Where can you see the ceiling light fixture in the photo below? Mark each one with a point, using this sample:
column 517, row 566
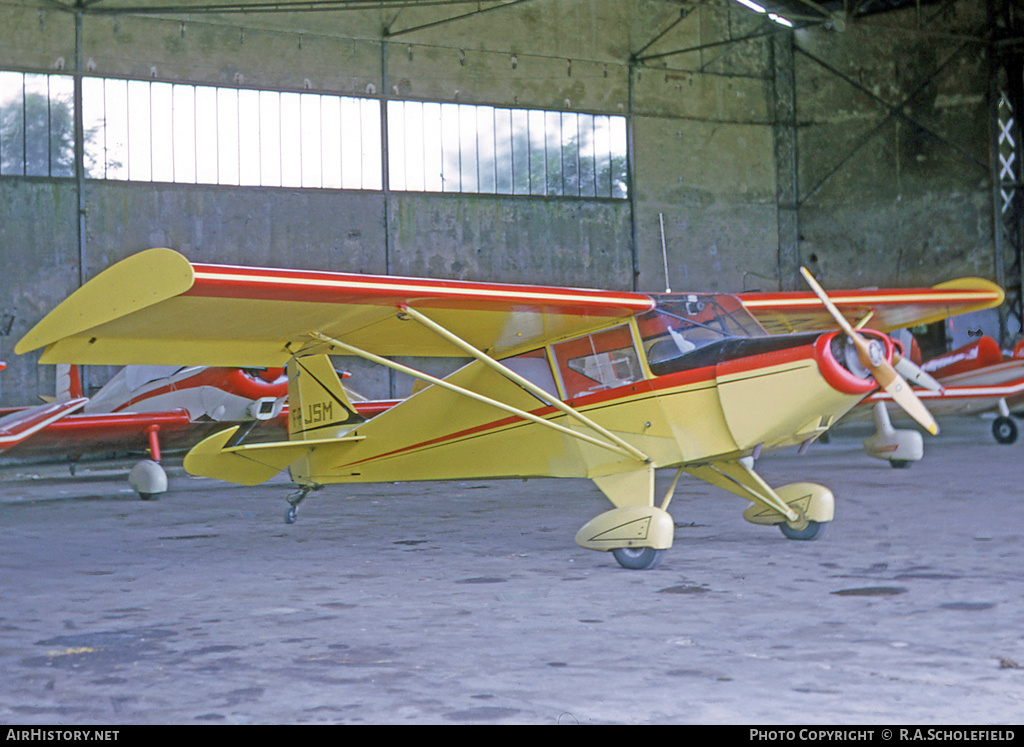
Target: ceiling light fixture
column 761, row 9
column 753, row 6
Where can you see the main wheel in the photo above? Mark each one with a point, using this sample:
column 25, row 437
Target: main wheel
column 1004, row 430
column 638, row 558
column 900, row 463
column 809, row 532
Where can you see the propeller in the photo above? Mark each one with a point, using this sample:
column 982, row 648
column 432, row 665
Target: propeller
column 884, row 372
column 915, row 374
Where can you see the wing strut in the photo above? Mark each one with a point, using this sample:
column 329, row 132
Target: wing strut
column 526, row 384
column 736, row 477
column 478, row 397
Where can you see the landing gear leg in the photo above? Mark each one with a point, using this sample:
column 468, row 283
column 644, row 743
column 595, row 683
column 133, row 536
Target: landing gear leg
column 148, row 478
column 295, row 499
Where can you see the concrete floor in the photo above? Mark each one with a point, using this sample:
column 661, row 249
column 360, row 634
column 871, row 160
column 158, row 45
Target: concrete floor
column 468, row 602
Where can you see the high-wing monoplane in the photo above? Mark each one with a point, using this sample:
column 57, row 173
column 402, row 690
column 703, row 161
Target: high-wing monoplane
column 144, row 408
column 561, row 382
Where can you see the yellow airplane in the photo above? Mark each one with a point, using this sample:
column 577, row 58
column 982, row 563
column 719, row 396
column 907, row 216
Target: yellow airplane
column 562, row 382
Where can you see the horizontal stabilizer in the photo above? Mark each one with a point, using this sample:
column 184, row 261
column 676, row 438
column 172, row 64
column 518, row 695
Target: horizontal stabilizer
column 23, row 424
column 248, row 464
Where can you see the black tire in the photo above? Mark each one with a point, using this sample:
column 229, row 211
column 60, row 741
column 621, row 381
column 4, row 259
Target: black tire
column 1004, row 430
column 900, row 463
column 638, row 558
column 812, row 531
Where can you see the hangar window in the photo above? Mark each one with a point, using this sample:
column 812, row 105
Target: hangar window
column 37, row 125
column 437, row 147
column 155, row 131
column 169, row 132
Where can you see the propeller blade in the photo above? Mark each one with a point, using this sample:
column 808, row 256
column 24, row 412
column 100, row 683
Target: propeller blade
column 883, row 371
column 917, row 375
column 823, row 297
column 904, row 396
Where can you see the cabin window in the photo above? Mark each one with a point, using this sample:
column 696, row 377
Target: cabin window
column 593, row 363
column 682, row 326
column 534, row 367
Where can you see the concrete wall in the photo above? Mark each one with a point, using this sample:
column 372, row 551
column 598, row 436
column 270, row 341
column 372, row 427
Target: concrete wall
column 894, row 154
column 903, row 209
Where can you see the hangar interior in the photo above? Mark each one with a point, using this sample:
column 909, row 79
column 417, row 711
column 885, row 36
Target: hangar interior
column 701, row 145
column 712, row 145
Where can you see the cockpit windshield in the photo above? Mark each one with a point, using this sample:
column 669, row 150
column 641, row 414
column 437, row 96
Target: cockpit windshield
column 682, row 324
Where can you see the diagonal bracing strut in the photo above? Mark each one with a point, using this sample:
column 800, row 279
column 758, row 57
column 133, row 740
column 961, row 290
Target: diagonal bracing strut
column 626, row 450
column 545, row 397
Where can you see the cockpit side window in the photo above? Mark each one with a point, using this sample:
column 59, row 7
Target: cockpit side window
column 603, row 360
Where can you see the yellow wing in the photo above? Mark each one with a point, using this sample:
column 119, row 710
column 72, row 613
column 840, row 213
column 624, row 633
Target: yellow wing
column 801, row 311
column 157, row 308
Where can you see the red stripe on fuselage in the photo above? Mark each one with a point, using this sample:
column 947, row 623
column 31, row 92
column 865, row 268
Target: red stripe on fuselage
column 636, row 391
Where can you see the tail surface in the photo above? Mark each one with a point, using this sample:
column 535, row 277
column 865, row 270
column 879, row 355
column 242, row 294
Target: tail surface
column 318, row 405
column 69, row 383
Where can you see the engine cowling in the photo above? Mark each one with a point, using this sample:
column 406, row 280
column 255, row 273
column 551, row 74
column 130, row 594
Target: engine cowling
column 840, row 365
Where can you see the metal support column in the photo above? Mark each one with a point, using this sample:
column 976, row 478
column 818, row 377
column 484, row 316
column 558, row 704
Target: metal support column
column 784, row 124
column 1006, row 56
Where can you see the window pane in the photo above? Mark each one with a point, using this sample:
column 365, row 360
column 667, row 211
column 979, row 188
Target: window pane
column 596, row 362
column 330, row 138
column 351, row 144
column 184, row 102
column 570, row 155
column 520, row 152
column 503, row 151
column 249, row 137
column 373, row 177
column 586, row 141
column 206, row 135
column 397, row 143
column 538, row 152
column 617, row 152
column 62, row 125
column 291, row 140
column 433, row 156
column 468, row 149
column 602, row 156
column 12, row 150
column 95, row 137
column 116, row 124
column 227, row 136
column 161, row 122
column 485, row 153
column 270, row 139
column 414, row 135
column 36, row 117
column 140, row 136
column 553, row 158
column 451, row 172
